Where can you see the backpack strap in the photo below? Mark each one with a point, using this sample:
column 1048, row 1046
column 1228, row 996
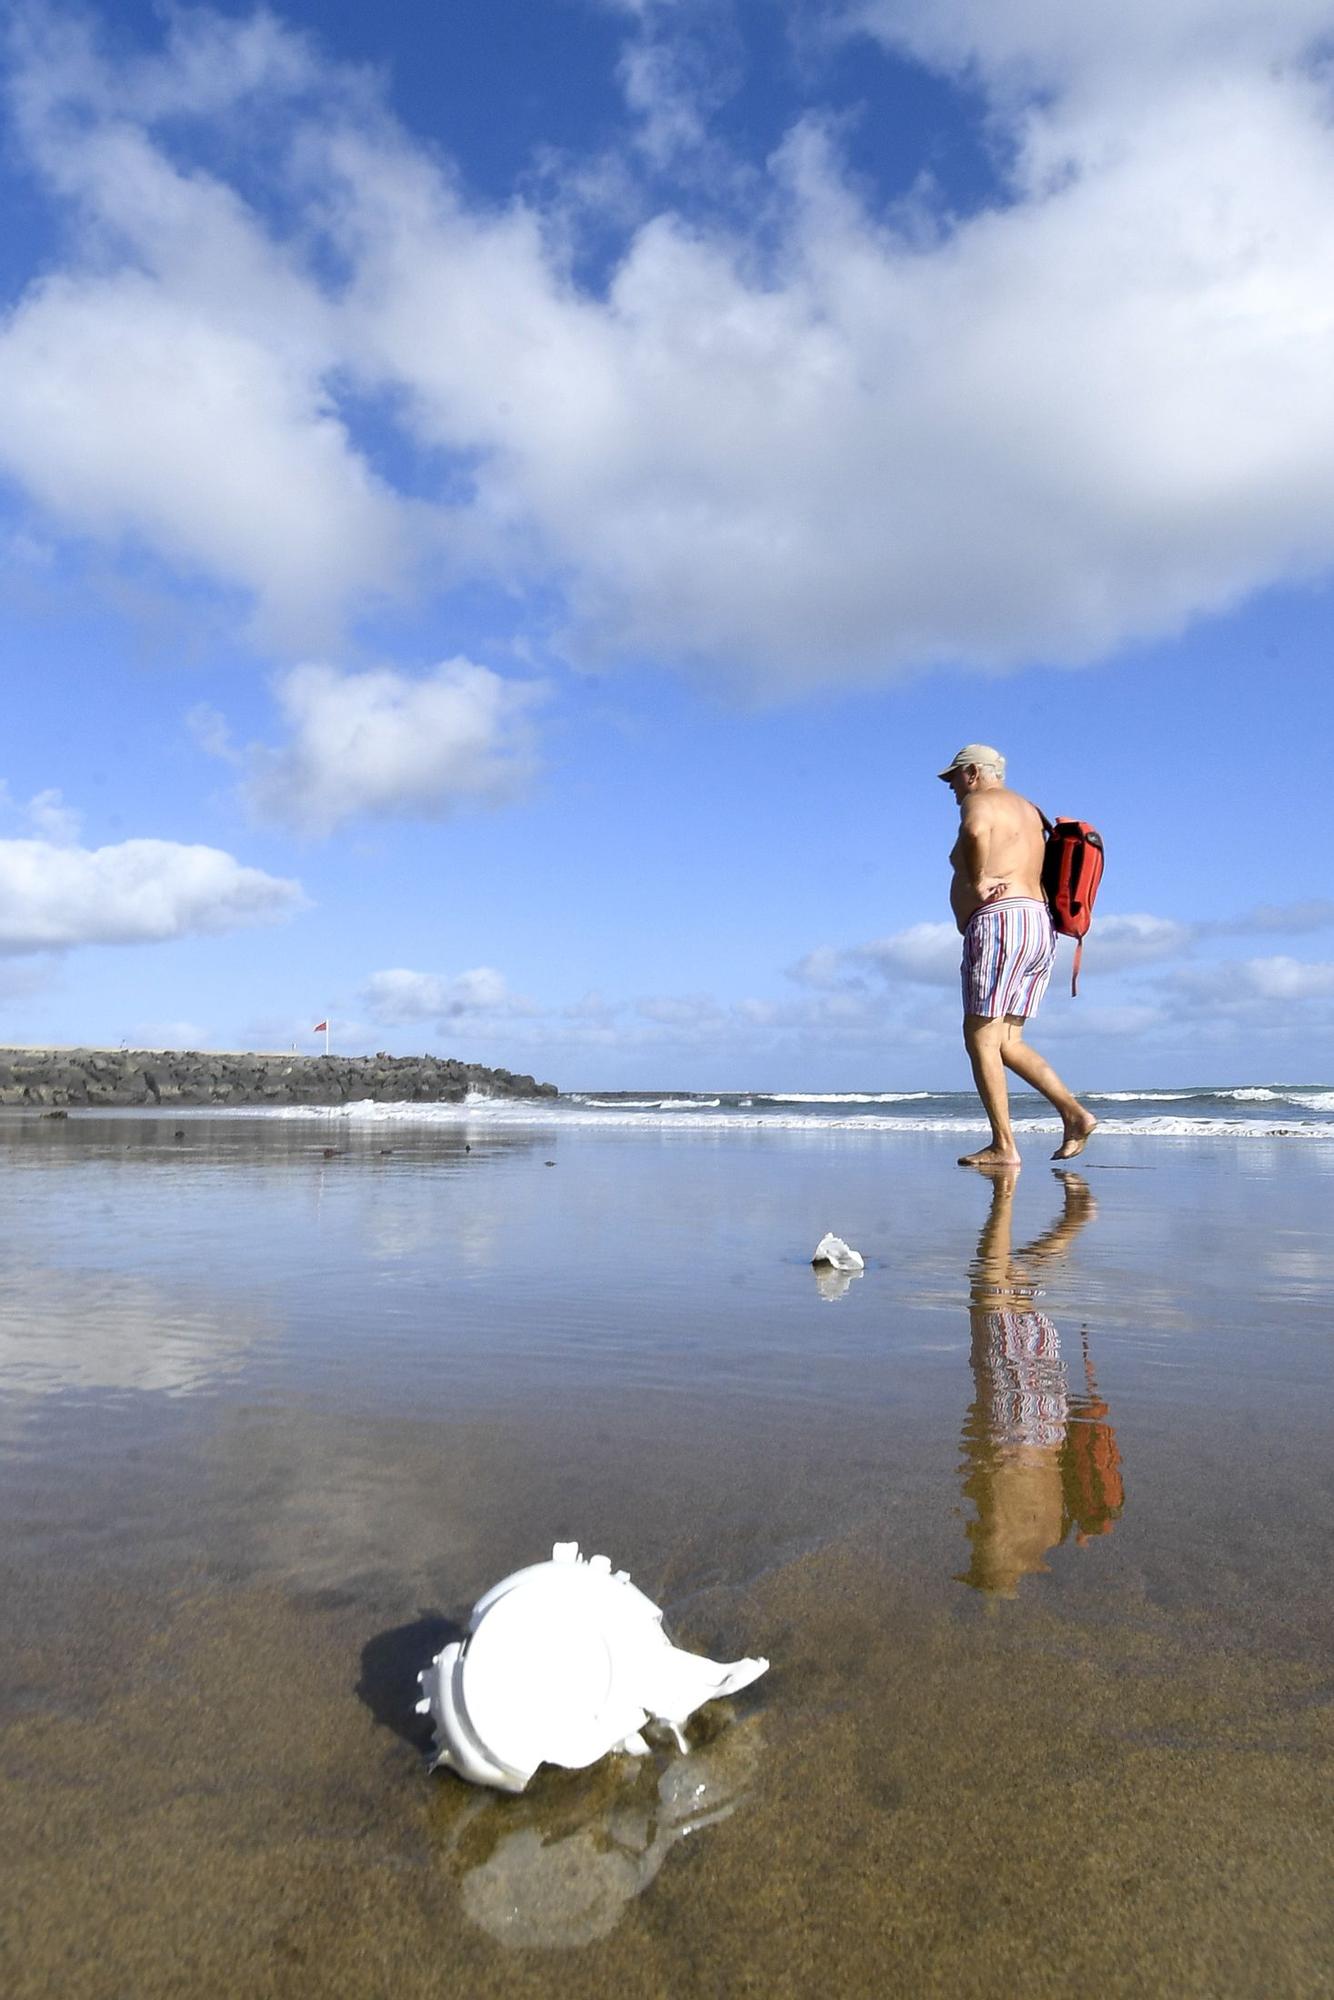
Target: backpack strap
column 1074, row 976
column 1077, row 876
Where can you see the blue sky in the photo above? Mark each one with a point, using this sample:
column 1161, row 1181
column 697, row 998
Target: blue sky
column 505, row 507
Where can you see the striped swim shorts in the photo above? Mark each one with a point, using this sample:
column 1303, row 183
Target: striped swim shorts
column 1028, row 1399
column 1008, row 951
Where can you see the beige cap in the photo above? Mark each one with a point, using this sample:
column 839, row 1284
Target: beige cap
column 981, row 754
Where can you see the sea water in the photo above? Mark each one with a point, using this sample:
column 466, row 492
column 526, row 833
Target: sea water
column 1033, row 1521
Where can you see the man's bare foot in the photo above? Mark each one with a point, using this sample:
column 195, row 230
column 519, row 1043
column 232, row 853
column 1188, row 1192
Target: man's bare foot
column 1077, row 1130
column 990, row 1156
column 1079, row 1201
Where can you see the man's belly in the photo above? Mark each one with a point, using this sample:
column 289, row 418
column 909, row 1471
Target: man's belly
column 962, row 902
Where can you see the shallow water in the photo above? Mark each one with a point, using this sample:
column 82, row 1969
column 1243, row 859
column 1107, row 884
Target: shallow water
column 1033, row 1521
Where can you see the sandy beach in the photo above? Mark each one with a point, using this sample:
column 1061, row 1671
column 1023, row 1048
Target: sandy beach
column 1033, row 1521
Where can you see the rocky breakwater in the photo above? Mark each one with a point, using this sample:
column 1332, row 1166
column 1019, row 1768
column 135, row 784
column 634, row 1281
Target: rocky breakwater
column 76, row 1078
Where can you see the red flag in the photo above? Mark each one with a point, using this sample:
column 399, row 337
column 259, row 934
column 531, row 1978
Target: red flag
column 319, row 1027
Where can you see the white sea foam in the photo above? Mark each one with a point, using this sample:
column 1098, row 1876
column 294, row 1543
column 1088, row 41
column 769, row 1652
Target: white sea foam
column 1245, row 1093
column 1142, row 1096
column 526, row 1114
column 618, row 1103
column 644, row 1103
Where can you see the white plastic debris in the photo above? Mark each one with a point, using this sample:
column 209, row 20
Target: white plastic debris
column 833, row 1250
column 563, row 1663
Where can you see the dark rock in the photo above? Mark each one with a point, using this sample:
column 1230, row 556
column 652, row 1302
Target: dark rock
column 121, row 1076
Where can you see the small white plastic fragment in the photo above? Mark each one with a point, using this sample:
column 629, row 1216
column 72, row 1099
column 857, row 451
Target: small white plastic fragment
column 563, row 1662
column 833, row 1250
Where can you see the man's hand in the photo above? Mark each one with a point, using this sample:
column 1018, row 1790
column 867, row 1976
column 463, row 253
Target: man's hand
column 993, row 892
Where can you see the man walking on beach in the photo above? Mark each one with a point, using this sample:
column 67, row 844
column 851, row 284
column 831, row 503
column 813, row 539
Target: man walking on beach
column 1008, row 949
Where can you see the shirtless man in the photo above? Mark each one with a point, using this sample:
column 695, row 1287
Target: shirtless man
column 1008, row 949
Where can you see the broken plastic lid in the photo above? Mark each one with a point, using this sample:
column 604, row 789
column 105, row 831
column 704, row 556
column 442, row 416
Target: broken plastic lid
column 833, row 1250
column 564, row 1662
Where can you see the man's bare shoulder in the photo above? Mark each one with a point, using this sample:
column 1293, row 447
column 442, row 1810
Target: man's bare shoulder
column 999, row 803
column 1023, row 805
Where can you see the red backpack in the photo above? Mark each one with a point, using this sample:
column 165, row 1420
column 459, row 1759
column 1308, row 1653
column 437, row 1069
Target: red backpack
column 1071, row 872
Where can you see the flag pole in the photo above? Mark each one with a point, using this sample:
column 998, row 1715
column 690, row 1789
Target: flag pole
column 326, row 1034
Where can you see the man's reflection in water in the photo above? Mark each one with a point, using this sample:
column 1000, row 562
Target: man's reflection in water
column 1040, row 1459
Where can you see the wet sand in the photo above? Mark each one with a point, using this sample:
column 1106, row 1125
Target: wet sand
column 1051, row 1703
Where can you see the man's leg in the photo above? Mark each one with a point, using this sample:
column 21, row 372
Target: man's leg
column 1036, row 1071
column 982, row 1037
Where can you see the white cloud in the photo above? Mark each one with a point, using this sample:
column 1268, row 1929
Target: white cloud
column 1315, row 914
column 1178, row 1005
column 398, row 997
column 387, row 745
column 1050, row 46
column 52, row 820
column 813, row 444
column 1283, row 979
column 45, row 816
column 139, row 892
column 168, row 1035
column 824, row 967
column 899, row 1031
column 210, row 731
column 173, row 385
column 678, row 64
column 678, row 1010
column 1121, row 941
column 1128, row 1020
column 927, row 953
column 1086, row 415
column 136, row 413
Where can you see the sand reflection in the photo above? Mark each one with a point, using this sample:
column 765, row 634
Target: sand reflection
column 1040, row 1455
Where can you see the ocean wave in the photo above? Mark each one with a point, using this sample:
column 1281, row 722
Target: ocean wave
column 1143, row 1096
column 849, row 1096
column 1242, row 1093
column 645, row 1103
column 520, row 1114
column 617, row 1103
